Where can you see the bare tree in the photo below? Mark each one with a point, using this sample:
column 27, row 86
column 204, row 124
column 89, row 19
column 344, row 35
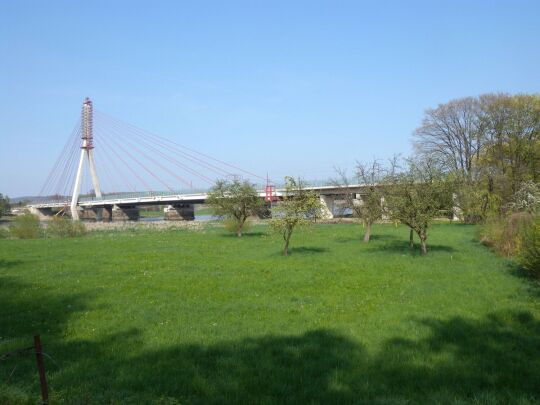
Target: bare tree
column 452, row 135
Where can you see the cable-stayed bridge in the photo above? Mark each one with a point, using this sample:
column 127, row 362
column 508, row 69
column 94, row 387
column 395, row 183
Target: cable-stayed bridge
column 108, row 169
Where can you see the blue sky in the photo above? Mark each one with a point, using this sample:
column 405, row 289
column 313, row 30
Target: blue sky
column 288, row 88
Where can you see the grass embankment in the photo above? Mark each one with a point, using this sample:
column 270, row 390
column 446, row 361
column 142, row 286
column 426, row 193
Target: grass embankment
column 202, row 317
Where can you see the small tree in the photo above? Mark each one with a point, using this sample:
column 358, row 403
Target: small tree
column 235, row 200
column 4, row 205
column 299, row 207
column 369, row 208
column 415, row 197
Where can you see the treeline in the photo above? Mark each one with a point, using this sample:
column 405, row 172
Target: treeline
column 490, row 145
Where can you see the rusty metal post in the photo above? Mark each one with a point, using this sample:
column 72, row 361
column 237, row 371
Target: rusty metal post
column 41, row 370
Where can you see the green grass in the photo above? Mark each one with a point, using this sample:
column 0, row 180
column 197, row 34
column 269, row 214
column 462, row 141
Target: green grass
column 199, row 210
column 151, row 214
column 203, row 210
column 205, row 317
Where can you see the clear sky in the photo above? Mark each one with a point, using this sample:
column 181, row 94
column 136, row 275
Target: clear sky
column 291, row 87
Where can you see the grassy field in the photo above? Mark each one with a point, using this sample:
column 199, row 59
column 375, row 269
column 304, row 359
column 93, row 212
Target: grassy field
column 203, row 317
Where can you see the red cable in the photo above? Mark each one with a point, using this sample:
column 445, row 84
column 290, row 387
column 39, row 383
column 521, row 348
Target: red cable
column 164, row 168
column 170, row 159
column 185, row 147
column 192, row 158
column 128, row 166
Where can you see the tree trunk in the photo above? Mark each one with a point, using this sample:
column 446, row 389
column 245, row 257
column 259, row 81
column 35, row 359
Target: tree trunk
column 240, row 228
column 287, row 238
column 423, row 243
column 411, row 239
column 367, row 234
column 286, row 247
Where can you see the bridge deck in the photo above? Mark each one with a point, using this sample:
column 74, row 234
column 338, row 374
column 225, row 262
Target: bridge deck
column 197, row 198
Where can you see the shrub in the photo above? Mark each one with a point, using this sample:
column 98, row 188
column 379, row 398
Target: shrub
column 530, row 252
column 62, row 227
column 25, row 226
column 231, row 225
column 505, row 234
column 4, row 233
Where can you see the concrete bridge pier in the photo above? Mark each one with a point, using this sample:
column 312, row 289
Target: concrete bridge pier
column 94, row 213
column 327, row 202
column 124, row 213
column 179, row 212
column 42, row 213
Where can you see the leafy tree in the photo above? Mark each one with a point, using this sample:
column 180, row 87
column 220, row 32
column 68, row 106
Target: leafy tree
column 299, row 207
column 512, row 141
column 235, row 200
column 476, row 200
column 415, row 196
column 370, row 207
column 4, row 205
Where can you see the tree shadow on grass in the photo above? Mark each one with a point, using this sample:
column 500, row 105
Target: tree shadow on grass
column 492, row 360
column 392, row 244
column 307, row 250
column 401, row 247
column 30, row 309
column 27, row 310
column 7, row 264
column 247, row 234
column 359, row 238
column 495, row 359
column 533, row 284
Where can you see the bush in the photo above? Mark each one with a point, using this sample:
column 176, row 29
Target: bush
column 4, row 233
column 25, row 226
column 505, row 234
column 231, row 225
column 62, row 227
column 530, row 252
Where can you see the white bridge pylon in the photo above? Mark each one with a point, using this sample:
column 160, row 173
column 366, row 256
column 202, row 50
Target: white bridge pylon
column 87, row 153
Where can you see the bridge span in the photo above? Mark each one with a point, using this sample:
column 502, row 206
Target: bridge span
column 177, row 206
